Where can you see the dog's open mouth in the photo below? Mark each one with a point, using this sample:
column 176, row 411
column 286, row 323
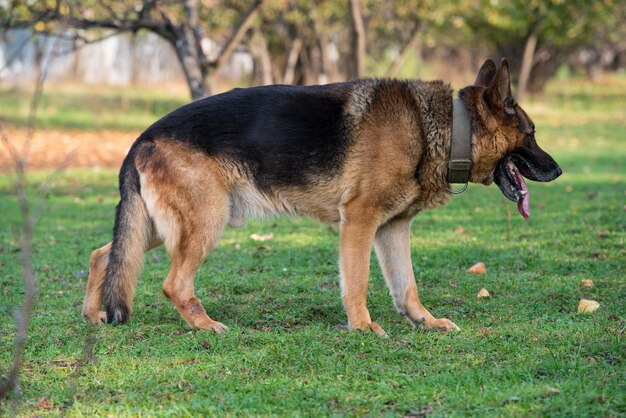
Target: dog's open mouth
column 510, row 181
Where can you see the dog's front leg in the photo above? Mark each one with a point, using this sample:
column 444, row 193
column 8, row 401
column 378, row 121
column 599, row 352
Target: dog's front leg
column 356, row 237
column 392, row 244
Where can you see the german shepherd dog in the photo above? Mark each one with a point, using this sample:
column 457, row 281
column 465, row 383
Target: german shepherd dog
column 367, row 155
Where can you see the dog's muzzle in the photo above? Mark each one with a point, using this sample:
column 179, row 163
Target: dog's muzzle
column 532, row 163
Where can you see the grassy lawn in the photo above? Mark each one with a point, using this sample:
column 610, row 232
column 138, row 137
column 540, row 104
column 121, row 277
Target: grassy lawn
column 91, row 107
column 522, row 352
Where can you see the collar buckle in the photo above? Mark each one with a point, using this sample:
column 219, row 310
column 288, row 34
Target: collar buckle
column 460, row 164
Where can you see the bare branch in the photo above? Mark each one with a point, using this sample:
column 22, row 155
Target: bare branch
column 160, row 27
column 235, row 37
column 27, row 229
column 404, row 54
column 193, row 21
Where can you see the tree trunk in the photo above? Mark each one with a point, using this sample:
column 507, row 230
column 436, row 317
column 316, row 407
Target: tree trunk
column 329, row 67
column 314, row 70
column 189, row 63
column 542, row 71
column 358, row 40
column 404, row 54
column 527, row 60
column 292, row 60
column 262, row 60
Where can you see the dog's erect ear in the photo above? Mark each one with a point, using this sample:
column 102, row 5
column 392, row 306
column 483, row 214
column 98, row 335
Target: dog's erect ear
column 486, row 73
column 499, row 89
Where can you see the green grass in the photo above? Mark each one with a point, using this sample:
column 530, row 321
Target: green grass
column 91, row 107
column 285, row 355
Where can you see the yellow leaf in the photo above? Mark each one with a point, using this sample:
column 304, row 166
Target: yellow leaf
column 587, row 306
column 586, row 283
column 478, row 268
column 483, row 293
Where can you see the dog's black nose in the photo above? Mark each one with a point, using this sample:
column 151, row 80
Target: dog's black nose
column 558, row 172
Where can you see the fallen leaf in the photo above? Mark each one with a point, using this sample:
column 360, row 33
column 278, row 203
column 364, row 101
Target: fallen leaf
column 587, row 306
column 206, row 344
column 453, row 284
column 459, row 230
column 483, row 293
column 262, row 237
column 44, row 403
column 263, row 247
column 586, row 283
column 478, row 268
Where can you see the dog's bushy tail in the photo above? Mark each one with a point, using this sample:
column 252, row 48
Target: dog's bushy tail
column 131, row 237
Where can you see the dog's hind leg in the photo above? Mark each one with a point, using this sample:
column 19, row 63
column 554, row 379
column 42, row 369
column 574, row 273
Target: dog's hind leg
column 93, row 296
column 98, row 261
column 190, row 214
column 392, row 244
column 198, row 237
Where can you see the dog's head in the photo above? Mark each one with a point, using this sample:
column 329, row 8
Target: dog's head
column 504, row 148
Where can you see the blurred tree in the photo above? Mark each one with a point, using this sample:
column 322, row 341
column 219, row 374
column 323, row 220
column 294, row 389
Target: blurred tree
column 188, row 25
column 302, row 37
column 310, row 42
column 357, row 41
column 536, row 35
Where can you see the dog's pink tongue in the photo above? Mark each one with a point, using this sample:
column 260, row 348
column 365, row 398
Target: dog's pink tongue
column 523, row 205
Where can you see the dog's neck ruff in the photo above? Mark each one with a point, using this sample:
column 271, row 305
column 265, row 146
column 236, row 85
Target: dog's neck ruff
column 460, row 147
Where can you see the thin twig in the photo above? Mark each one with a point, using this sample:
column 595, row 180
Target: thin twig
column 20, row 161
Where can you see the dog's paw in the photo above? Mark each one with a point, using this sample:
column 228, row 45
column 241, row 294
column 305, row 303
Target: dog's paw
column 95, row 317
column 441, row 324
column 212, row 325
column 370, row 327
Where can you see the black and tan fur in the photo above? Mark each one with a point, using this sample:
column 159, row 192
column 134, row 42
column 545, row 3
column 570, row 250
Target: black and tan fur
column 368, row 155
